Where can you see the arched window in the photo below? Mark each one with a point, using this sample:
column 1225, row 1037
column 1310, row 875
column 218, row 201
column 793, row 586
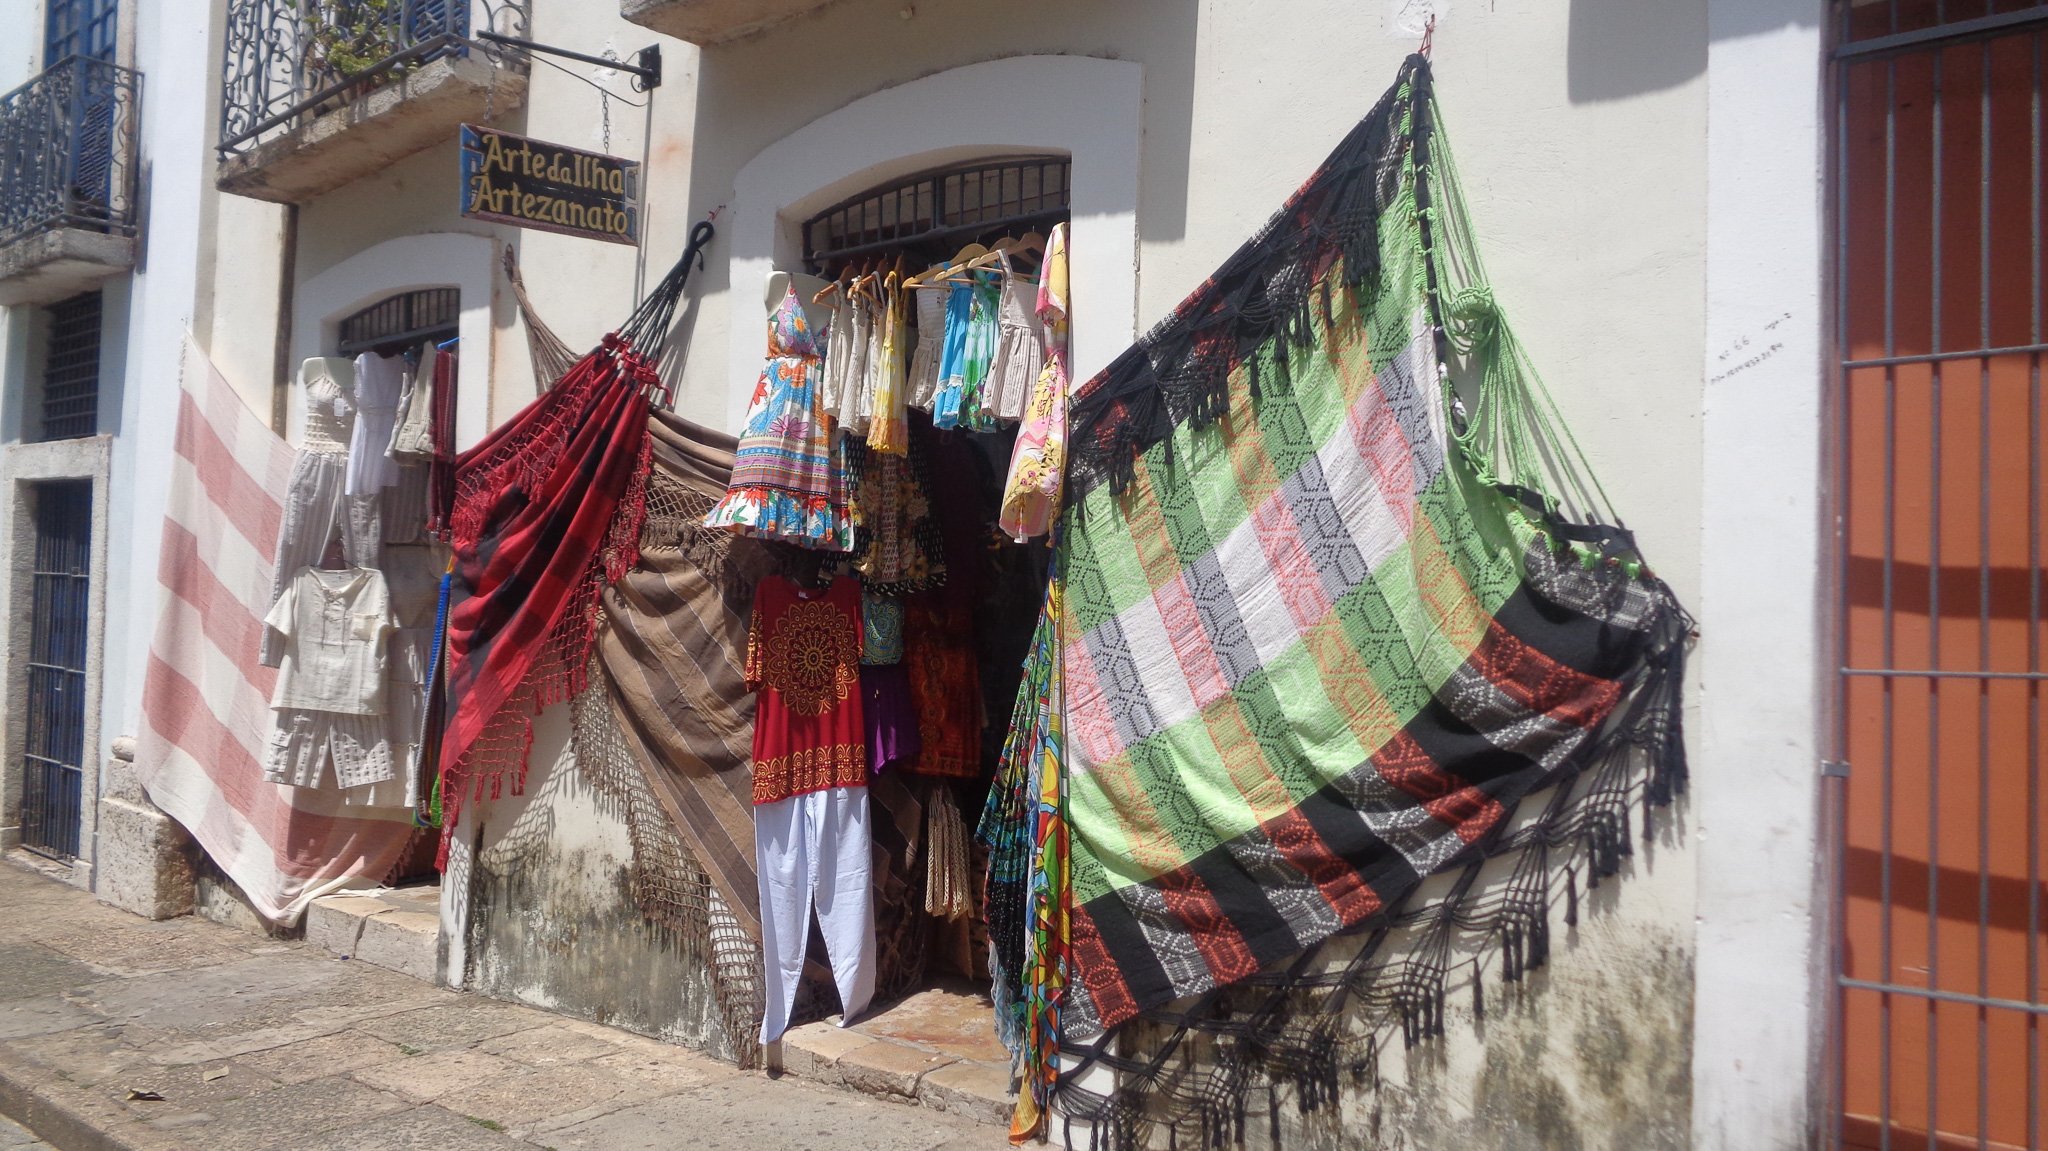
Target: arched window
column 406, row 318
column 932, row 213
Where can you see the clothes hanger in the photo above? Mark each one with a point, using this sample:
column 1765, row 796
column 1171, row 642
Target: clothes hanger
column 989, row 258
column 870, row 284
column 863, row 283
column 834, row 286
column 966, row 259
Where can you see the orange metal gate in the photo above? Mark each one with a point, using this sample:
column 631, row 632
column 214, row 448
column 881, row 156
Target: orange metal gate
column 1938, row 430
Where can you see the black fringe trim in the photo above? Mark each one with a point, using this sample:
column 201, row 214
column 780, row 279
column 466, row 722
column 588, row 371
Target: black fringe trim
column 1274, row 284
column 1318, row 1025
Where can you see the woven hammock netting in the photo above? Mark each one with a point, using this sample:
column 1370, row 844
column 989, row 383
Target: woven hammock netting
column 1293, row 1055
column 560, row 485
column 669, row 887
column 552, row 356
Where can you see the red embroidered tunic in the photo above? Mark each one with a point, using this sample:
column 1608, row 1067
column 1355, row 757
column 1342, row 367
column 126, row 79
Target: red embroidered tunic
column 803, row 660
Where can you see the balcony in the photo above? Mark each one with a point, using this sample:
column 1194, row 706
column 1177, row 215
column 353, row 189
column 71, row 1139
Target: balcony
column 707, row 22
column 318, row 93
column 67, row 180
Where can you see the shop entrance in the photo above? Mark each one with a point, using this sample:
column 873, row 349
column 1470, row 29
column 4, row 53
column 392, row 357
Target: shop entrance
column 965, row 641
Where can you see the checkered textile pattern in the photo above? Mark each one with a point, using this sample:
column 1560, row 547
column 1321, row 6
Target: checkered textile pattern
column 1318, row 645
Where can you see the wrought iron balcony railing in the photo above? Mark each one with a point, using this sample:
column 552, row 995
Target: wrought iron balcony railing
column 285, row 61
column 67, row 150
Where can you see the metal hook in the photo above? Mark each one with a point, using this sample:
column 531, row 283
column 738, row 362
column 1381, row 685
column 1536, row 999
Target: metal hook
column 1428, row 34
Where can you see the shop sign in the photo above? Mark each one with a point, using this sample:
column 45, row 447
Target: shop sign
column 531, row 184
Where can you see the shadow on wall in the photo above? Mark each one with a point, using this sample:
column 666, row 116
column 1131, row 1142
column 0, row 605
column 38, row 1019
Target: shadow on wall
column 1622, row 48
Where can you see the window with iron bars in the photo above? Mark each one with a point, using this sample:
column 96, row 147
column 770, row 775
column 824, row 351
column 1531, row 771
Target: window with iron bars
column 406, row 318
column 68, row 406
column 932, row 213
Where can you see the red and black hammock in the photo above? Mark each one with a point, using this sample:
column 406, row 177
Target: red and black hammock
column 547, row 512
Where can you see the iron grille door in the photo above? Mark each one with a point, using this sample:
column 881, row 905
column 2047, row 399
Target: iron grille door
column 53, row 774
column 1938, row 427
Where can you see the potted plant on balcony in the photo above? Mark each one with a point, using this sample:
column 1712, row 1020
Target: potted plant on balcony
column 345, row 38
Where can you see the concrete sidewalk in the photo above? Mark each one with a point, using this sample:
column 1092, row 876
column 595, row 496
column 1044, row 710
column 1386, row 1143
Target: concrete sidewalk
column 116, row 1032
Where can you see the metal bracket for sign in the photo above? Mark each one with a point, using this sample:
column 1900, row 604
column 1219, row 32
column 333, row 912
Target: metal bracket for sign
column 646, row 74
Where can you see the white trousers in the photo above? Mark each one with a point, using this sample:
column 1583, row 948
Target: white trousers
column 814, row 849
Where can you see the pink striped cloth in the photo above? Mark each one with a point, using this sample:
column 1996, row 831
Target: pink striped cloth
column 206, row 700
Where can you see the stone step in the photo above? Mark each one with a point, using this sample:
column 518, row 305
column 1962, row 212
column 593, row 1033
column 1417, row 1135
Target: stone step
column 397, row 928
column 935, row 1049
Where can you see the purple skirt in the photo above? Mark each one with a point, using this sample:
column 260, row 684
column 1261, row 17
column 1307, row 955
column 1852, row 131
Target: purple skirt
column 890, row 717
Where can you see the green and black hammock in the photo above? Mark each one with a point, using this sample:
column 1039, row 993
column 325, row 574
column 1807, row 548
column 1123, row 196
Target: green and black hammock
column 1320, row 625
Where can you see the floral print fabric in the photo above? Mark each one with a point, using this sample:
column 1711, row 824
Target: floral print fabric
column 1038, row 464
column 783, row 483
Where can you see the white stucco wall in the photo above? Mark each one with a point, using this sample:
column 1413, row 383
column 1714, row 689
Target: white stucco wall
column 1589, row 193
column 461, row 260
column 177, row 50
column 583, row 288
column 1088, row 109
column 1760, row 1004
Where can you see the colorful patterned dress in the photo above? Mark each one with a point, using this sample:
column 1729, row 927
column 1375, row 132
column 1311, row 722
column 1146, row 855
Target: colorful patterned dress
column 784, row 484
column 1038, row 465
column 969, row 349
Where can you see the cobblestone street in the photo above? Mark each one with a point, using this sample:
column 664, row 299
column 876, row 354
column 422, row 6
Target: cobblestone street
column 116, row 1032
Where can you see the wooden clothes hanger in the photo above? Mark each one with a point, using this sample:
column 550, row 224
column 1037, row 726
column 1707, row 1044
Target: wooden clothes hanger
column 953, row 271
column 838, row 284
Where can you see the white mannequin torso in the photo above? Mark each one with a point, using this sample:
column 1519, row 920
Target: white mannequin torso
column 818, row 316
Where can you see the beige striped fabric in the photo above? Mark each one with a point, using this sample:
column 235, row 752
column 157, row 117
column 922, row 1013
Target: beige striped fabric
column 671, row 645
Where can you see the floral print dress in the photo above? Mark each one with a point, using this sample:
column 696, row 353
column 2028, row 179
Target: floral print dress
column 784, row 483
column 1038, row 465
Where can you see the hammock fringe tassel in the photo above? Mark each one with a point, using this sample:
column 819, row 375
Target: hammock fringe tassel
column 1321, row 1022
